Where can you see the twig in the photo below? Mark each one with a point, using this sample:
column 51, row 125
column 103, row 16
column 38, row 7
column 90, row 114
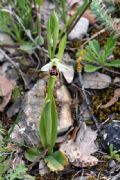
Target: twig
column 94, row 36
column 38, row 159
column 110, row 70
column 14, row 65
column 9, row 45
column 76, row 174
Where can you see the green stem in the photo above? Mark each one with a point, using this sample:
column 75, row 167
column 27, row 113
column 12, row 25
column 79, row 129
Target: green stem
column 51, row 85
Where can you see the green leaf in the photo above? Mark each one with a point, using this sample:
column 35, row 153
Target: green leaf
column 113, row 63
column 108, row 48
column 61, row 48
column 55, row 30
column 91, row 68
column 61, row 157
column 92, row 51
column 2, row 169
column 32, row 154
column 88, row 56
column 95, row 47
column 51, row 84
column 56, row 161
column 53, row 164
column 20, row 172
column 39, row 2
column 48, row 124
column 49, row 118
column 49, row 38
column 5, row 22
column 44, row 121
column 29, row 177
column 27, row 48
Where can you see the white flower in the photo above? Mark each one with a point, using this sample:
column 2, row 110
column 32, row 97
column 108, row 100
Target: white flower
column 55, row 62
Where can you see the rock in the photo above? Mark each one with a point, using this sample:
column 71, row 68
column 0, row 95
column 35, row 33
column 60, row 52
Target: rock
column 9, row 71
column 14, row 108
column 96, row 80
column 7, row 40
column 27, row 129
column 65, row 116
column 84, row 112
column 112, row 164
column 79, row 30
column 43, row 169
column 111, row 135
column 1, row 57
column 116, row 80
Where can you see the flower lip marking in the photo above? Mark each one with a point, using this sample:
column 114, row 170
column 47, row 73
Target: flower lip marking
column 54, row 71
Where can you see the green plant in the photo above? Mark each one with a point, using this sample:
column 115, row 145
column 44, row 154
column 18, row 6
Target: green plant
column 113, row 153
column 20, row 172
column 103, row 15
column 95, row 58
column 5, row 154
column 20, row 20
column 49, row 118
column 62, row 10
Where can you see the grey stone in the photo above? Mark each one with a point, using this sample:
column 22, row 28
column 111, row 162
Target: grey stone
column 7, row 40
column 112, row 164
column 43, row 169
column 27, row 128
column 111, row 135
column 79, row 30
column 96, row 80
column 9, row 71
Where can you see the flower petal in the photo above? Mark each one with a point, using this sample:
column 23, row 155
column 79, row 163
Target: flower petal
column 47, row 67
column 62, row 68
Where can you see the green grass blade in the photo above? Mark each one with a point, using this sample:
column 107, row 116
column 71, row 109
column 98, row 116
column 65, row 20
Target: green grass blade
column 62, row 46
column 49, row 38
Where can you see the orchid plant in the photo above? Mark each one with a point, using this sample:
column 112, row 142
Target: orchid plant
column 49, row 117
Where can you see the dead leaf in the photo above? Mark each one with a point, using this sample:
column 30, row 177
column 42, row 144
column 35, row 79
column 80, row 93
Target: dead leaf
column 6, row 87
column 73, row 2
column 79, row 151
column 113, row 100
column 90, row 16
